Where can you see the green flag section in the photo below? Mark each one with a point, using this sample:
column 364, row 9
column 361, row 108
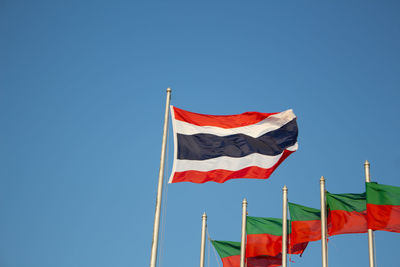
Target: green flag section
column 230, row 256
column 383, row 207
column 347, row 213
column 264, row 237
column 305, row 223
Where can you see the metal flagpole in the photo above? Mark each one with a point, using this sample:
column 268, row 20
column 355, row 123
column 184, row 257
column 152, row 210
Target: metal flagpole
column 154, row 245
column 371, row 247
column 243, row 240
column 284, row 226
column 324, row 244
column 203, row 238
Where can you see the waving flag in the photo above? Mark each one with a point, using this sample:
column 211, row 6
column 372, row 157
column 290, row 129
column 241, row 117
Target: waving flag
column 383, row 207
column 230, row 256
column 229, row 252
column 305, row 222
column 347, row 213
column 264, row 237
column 222, row 147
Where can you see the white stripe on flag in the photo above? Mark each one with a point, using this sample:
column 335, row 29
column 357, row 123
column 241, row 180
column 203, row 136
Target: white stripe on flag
column 228, row 163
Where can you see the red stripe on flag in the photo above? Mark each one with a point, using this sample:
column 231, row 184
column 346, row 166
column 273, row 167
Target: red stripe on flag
column 383, row 217
column 263, row 244
column 347, row 222
column 304, row 231
column 220, row 176
column 264, row 261
column 261, row 261
column 231, row 261
column 222, row 121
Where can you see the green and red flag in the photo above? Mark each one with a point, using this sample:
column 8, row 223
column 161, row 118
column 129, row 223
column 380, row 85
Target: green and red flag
column 264, row 237
column 383, row 207
column 305, row 223
column 230, row 255
column 229, row 252
column 347, row 213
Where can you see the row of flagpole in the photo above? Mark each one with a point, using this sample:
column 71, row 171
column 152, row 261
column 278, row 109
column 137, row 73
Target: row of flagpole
column 154, row 246
column 324, row 235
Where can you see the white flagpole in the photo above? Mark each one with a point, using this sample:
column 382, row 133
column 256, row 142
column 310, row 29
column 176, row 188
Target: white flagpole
column 284, row 226
column 154, row 245
column 203, row 238
column 324, row 245
column 371, row 248
column 243, row 240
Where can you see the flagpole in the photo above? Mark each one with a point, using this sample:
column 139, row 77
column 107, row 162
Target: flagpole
column 324, row 245
column 284, row 226
column 154, row 245
column 371, row 247
column 243, row 239
column 203, row 238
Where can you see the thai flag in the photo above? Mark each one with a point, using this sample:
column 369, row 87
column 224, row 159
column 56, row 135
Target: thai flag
column 222, row 147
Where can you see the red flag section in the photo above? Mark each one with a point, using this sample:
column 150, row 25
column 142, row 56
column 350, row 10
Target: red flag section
column 264, row 261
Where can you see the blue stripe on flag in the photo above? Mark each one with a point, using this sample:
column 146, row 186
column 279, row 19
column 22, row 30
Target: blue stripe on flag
column 208, row 146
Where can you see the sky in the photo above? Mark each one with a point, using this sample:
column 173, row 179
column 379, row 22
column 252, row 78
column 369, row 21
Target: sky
column 82, row 99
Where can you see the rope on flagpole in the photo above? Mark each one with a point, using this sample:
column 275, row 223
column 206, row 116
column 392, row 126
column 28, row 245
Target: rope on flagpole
column 215, row 252
column 208, row 253
column 289, row 244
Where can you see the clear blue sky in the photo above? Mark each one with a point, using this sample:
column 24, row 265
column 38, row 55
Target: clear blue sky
column 82, row 95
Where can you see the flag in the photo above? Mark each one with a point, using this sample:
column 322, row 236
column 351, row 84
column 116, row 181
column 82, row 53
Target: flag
column 383, row 207
column 229, row 252
column 347, row 213
column 305, row 223
column 264, row 237
column 222, row 147
column 230, row 256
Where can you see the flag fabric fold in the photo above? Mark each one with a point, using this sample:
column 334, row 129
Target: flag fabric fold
column 222, row 147
column 264, row 261
column 264, row 237
column 383, row 207
column 229, row 253
column 347, row 213
column 305, row 224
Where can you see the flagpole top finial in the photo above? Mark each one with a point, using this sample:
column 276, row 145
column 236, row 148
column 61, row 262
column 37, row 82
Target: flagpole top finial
column 322, row 179
column 284, row 188
column 244, row 201
column 366, row 162
column 204, row 215
column 169, row 90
